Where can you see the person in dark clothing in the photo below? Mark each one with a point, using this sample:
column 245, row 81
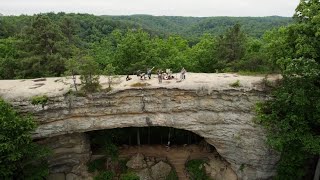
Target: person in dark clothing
column 183, row 73
column 128, row 78
column 159, row 76
column 149, row 71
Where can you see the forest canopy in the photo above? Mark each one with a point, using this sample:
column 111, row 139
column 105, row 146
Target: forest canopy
column 41, row 45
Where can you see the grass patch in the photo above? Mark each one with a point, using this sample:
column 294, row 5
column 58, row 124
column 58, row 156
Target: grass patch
column 235, row 84
column 140, row 84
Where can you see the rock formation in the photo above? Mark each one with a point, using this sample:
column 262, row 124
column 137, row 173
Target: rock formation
column 221, row 114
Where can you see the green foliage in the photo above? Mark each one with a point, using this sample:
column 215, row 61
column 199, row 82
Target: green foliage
column 241, row 168
column 105, row 140
column 235, row 84
column 112, row 151
column 196, row 169
column 109, row 70
column 19, row 156
column 53, row 44
column 203, row 55
column 193, row 27
column 291, row 117
column 89, row 74
column 96, row 165
column 231, row 45
column 44, row 50
column 172, row 175
column 129, row 176
column 43, row 100
column 104, row 175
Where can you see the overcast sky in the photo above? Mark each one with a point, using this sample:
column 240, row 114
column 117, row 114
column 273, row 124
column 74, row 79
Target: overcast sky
column 153, row 7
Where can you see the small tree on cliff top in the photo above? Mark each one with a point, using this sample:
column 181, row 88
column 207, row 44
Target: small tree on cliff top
column 20, row 157
column 89, row 70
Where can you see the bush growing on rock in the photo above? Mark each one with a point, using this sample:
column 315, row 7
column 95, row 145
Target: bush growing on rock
column 39, row 100
column 196, row 169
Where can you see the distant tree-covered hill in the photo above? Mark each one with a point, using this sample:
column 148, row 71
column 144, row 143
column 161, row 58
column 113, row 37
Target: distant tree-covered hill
column 196, row 26
column 188, row 27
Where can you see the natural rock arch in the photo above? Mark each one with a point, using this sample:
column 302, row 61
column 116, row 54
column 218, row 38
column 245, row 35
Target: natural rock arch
column 222, row 115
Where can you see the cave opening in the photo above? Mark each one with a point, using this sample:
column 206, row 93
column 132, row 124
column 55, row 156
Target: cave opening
column 133, row 136
column 155, row 153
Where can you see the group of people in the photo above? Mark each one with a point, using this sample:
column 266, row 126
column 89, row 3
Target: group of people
column 161, row 75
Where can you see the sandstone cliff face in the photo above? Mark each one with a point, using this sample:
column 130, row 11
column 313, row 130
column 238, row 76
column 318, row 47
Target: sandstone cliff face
column 222, row 117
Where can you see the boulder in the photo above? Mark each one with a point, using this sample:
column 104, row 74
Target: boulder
column 219, row 169
column 137, row 162
column 160, row 170
column 144, row 174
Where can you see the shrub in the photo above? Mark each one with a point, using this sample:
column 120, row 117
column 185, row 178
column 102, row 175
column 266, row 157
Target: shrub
column 172, row 175
column 39, row 100
column 96, row 165
column 91, row 87
column 105, row 175
column 235, row 84
column 196, row 169
column 129, row 176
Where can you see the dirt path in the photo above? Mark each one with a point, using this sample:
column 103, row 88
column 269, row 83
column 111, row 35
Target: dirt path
column 176, row 155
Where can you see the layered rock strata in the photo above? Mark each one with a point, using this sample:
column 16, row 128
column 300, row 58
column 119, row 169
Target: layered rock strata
column 221, row 114
column 223, row 118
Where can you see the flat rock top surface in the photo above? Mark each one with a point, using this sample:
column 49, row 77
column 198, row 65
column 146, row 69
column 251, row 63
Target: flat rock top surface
column 57, row 86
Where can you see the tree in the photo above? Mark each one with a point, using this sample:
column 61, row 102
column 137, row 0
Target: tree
column 20, row 157
column 133, row 52
column 292, row 116
column 204, row 55
column 43, row 45
column 109, row 70
column 8, row 58
column 231, row 45
column 72, row 67
column 89, row 74
column 255, row 59
column 103, row 51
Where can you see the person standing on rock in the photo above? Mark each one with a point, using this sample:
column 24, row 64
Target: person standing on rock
column 159, row 76
column 149, row 72
column 183, row 73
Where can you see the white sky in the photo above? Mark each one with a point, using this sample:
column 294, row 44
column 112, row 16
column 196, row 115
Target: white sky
column 153, row 7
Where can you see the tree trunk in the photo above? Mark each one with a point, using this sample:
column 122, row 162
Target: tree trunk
column 74, row 80
column 138, row 137
column 317, row 171
column 109, row 82
column 149, row 135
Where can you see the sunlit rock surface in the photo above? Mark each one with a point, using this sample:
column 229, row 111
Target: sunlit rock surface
column 204, row 103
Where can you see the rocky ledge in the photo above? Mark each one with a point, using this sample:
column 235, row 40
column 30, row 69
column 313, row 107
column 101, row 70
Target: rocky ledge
column 205, row 104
